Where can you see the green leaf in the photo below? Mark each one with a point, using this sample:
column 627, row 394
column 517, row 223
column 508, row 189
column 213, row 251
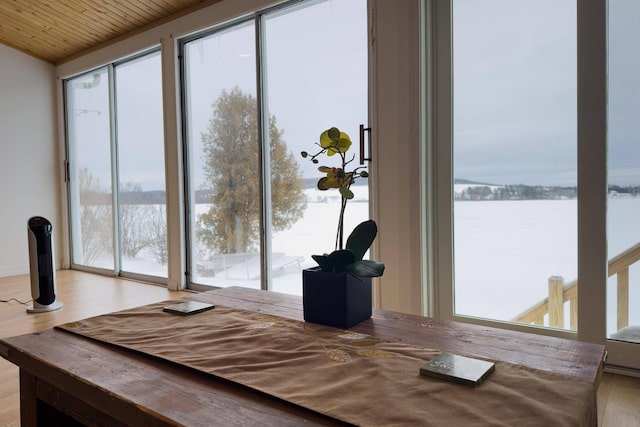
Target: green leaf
column 336, row 261
column 346, row 193
column 340, row 259
column 366, row 268
column 323, row 261
column 361, row 238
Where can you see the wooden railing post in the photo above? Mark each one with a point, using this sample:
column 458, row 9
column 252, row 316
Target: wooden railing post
column 553, row 305
column 573, row 314
column 556, row 302
column 623, row 298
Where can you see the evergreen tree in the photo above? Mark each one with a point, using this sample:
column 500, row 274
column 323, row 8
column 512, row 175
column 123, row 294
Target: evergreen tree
column 231, row 157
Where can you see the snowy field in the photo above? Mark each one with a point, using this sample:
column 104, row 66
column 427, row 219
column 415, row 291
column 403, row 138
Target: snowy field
column 315, row 233
column 505, row 251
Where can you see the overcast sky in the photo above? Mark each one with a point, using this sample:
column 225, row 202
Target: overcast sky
column 514, row 90
column 315, row 78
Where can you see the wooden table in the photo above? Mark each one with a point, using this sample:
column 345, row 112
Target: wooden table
column 64, row 377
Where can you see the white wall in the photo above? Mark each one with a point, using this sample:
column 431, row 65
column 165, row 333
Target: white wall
column 29, row 157
column 396, row 132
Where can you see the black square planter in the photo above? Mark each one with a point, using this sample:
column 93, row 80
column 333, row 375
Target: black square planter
column 335, row 299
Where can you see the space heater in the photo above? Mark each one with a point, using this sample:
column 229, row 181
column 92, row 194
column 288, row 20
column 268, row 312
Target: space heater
column 42, row 266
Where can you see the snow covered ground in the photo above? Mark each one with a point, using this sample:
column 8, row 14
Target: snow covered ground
column 505, row 251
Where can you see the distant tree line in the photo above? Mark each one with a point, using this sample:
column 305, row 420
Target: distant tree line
column 153, row 197
column 516, row 192
column 633, row 190
column 531, row 192
column 475, row 192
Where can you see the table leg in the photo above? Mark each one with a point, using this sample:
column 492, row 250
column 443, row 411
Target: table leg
column 28, row 400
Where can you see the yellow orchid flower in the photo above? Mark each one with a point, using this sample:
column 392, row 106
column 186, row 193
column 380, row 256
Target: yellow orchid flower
column 334, row 141
column 336, row 178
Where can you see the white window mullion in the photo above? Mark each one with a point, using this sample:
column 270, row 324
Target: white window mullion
column 395, row 62
column 263, row 139
column 442, row 163
column 115, row 185
column 173, row 158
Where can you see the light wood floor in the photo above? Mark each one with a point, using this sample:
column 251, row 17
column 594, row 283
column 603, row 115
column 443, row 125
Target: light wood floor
column 86, row 295
column 83, row 295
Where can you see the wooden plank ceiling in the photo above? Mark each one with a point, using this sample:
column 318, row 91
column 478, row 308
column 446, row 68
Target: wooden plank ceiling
column 57, row 30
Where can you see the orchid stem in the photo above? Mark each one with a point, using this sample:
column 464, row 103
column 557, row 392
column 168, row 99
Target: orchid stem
column 340, row 234
column 343, row 206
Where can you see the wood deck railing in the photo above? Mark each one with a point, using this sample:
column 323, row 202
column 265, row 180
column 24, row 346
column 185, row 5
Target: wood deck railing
column 559, row 293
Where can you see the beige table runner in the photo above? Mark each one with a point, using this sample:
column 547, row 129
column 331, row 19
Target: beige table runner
column 351, row 377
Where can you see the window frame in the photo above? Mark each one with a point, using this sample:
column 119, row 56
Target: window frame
column 114, row 183
column 69, row 149
column 258, row 19
column 408, row 133
column 592, row 182
column 188, row 188
column 394, row 118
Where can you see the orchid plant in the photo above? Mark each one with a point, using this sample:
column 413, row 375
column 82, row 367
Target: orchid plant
column 344, row 257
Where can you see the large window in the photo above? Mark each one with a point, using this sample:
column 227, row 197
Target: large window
column 255, row 215
column 116, row 159
column 514, row 157
column 224, row 157
column 543, row 234
column 140, row 171
column 513, row 89
column 623, row 204
column 89, row 146
column 338, row 96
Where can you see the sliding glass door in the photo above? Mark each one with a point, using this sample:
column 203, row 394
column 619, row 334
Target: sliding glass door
column 142, row 218
column 223, row 157
column 538, row 169
column 116, row 169
column 90, row 185
column 623, row 169
column 514, row 159
column 303, row 99
column 256, row 93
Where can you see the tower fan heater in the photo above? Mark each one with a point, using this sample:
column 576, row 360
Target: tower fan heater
column 41, row 266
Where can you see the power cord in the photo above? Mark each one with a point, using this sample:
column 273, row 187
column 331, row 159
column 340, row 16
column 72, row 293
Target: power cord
column 16, row 300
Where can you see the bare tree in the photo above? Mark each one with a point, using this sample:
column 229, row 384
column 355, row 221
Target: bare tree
column 96, row 228
column 143, row 224
column 134, row 215
column 157, row 232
